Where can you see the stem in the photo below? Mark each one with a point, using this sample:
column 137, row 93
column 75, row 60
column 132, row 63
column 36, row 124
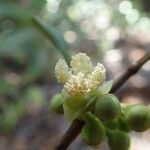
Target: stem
column 133, row 69
column 70, row 134
column 76, row 126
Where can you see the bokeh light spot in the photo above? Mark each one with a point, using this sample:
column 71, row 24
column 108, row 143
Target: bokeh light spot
column 125, row 7
column 70, row 36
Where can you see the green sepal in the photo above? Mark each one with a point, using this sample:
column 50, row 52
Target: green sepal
column 105, row 87
column 76, row 106
column 73, row 107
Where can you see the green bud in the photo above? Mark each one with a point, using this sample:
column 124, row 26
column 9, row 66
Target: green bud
column 107, row 107
column 122, row 124
column 118, row 140
column 57, row 103
column 111, row 124
column 93, row 132
column 122, row 120
column 138, row 117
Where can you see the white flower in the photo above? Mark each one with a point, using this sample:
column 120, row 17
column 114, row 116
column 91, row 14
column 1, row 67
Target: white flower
column 62, row 71
column 82, row 77
column 77, row 85
column 81, row 63
column 97, row 77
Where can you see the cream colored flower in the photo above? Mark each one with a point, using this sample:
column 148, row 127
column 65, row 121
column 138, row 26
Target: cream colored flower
column 77, row 85
column 82, row 77
column 62, row 71
column 81, row 63
column 97, row 77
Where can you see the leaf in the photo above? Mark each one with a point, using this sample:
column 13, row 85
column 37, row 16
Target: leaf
column 73, row 107
column 105, row 87
column 55, row 36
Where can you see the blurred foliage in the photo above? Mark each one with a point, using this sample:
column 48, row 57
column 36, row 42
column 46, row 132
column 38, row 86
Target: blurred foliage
column 27, row 58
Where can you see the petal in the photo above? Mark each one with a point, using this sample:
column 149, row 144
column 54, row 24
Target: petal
column 97, row 77
column 62, row 71
column 81, row 63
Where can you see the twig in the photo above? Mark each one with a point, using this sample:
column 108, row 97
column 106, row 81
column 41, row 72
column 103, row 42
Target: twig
column 77, row 125
column 133, row 69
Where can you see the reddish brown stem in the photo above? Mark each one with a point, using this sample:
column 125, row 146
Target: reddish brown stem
column 133, row 69
column 77, row 125
column 70, row 134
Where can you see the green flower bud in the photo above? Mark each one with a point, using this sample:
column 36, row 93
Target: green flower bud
column 111, row 124
column 93, row 132
column 118, row 140
column 122, row 124
column 122, row 120
column 107, row 107
column 56, row 103
column 138, row 117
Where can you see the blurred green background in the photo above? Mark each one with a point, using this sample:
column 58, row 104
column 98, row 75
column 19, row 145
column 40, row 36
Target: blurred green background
column 34, row 34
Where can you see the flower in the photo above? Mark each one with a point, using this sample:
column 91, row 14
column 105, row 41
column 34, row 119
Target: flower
column 77, row 85
column 81, row 63
column 97, row 76
column 82, row 77
column 62, row 71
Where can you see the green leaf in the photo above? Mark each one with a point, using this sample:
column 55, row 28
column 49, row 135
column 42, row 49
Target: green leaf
column 55, row 36
column 105, row 87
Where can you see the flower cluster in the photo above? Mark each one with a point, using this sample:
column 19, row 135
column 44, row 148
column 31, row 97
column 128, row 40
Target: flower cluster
column 82, row 77
column 87, row 98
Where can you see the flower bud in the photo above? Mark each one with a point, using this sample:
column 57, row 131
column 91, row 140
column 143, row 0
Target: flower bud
column 111, row 124
column 118, row 140
column 107, row 107
column 57, row 103
column 122, row 124
column 138, row 117
column 93, row 132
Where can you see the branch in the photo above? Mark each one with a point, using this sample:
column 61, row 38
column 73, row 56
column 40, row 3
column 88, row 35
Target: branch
column 70, row 134
column 133, row 69
column 76, row 126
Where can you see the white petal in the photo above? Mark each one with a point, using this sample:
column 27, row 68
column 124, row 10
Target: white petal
column 81, row 63
column 62, row 71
